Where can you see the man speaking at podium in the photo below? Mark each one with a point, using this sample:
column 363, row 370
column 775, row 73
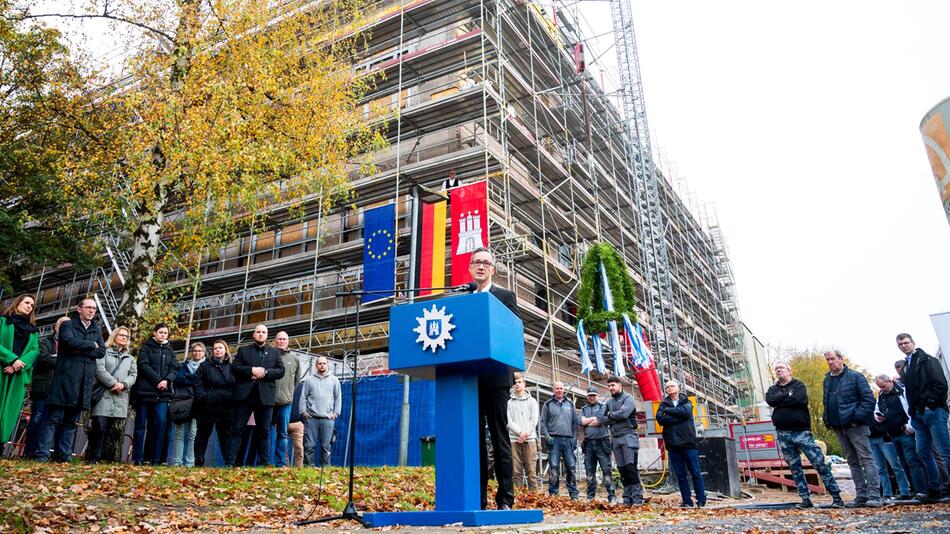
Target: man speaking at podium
column 493, row 393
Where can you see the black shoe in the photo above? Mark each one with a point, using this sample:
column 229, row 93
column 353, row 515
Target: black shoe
column 836, row 501
column 505, row 507
column 806, row 503
column 686, row 505
column 903, row 498
column 928, row 498
column 857, row 503
column 872, row 503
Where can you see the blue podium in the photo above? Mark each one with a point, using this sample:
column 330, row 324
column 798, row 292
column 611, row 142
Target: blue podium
column 454, row 339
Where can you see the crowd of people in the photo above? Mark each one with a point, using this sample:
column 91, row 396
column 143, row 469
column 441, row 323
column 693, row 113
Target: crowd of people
column 177, row 405
column 241, row 396
column 904, row 429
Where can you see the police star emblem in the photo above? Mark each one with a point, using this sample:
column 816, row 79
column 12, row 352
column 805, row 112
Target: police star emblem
column 434, row 328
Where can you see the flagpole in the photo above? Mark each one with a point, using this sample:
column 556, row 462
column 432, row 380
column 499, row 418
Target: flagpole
column 415, row 219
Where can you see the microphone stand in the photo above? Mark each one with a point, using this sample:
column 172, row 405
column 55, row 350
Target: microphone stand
column 349, row 511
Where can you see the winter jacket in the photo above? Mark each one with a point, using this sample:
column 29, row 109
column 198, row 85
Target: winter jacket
column 254, row 355
column 320, row 396
column 181, row 406
column 621, row 417
column 75, row 375
column 855, row 401
column 293, row 374
column 522, row 416
column 214, row 388
column 117, row 366
column 679, row 430
column 19, row 342
column 43, row 369
column 925, row 383
column 597, row 410
column 559, row 418
column 893, row 406
column 156, row 363
column 789, row 406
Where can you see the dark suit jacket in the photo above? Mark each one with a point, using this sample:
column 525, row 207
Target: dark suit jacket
column 250, row 356
column 507, row 298
column 501, row 379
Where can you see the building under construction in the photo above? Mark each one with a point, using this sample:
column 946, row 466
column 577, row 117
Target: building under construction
column 474, row 90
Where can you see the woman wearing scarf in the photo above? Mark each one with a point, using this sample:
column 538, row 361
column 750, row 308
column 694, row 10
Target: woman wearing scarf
column 19, row 346
column 183, row 453
column 115, row 375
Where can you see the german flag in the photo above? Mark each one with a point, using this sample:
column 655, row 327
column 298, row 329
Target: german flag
column 430, row 247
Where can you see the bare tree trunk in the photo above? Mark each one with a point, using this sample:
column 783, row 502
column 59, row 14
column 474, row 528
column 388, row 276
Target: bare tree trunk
column 145, row 244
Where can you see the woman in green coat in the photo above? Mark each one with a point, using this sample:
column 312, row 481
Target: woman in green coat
column 19, row 346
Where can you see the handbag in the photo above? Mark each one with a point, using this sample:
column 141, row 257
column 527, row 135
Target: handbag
column 98, row 390
column 180, row 410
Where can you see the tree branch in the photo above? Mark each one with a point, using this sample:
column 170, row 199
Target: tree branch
column 104, row 15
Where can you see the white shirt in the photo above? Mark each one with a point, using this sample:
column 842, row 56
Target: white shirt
column 486, row 290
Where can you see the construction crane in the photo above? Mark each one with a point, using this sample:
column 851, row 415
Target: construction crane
column 659, row 300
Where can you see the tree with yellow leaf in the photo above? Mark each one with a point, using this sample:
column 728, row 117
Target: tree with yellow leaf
column 228, row 107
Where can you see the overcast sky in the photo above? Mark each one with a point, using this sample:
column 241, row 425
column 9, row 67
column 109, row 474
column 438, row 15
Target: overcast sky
column 799, row 121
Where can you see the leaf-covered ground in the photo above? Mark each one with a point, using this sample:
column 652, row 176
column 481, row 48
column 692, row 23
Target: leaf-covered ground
column 123, row 498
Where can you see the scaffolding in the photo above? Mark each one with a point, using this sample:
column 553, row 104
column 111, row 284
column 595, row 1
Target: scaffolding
column 476, row 90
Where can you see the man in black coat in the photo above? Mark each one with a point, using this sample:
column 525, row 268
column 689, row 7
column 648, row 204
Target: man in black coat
column 42, row 380
column 80, row 345
column 849, row 405
column 926, row 390
column 256, row 368
column 788, row 398
column 493, row 390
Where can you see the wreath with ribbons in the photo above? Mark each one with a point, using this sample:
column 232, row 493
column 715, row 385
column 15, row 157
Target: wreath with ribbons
column 591, row 309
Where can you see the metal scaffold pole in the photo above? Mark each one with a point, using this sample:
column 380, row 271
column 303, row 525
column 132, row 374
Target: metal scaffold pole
column 652, row 223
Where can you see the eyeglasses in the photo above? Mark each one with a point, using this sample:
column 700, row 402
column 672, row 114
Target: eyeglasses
column 121, row 335
column 482, row 263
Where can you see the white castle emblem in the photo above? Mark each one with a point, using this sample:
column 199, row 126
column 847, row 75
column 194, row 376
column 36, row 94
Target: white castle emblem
column 433, row 328
column 470, row 232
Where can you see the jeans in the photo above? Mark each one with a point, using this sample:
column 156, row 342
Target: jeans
column 281, row 420
column 885, row 454
column 318, row 431
column 905, row 447
column 597, row 452
column 562, row 447
column 183, row 449
column 684, row 460
column 794, row 443
column 854, row 441
column 931, row 430
column 60, row 422
column 151, row 432
column 38, row 411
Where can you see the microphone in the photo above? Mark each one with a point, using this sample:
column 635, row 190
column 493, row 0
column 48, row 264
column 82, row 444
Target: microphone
column 465, row 288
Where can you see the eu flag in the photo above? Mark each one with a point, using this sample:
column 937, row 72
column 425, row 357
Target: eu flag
column 379, row 251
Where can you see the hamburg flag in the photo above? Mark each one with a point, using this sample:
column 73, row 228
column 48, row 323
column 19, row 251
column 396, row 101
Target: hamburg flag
column 430, row 247
column 379, row 250
column 469, row 227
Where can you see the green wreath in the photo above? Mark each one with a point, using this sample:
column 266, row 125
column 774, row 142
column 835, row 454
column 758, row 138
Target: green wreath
column 590, row 297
